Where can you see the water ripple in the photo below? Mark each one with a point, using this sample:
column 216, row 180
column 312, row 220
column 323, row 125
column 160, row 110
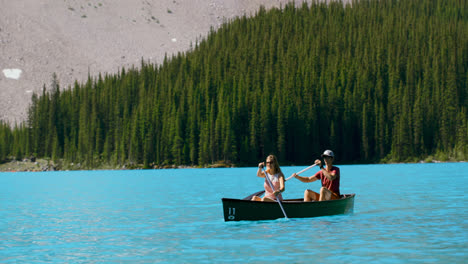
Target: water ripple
column 164, row 216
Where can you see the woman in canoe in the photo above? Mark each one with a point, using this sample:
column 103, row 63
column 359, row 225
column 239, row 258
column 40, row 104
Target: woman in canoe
column 329, row 176
column 276, row 176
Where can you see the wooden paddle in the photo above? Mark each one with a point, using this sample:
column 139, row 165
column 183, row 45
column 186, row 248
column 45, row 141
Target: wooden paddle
column 261, row 192
column 272, row 188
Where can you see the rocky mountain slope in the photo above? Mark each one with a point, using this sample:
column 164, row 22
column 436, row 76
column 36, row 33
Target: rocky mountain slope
column 74, row 38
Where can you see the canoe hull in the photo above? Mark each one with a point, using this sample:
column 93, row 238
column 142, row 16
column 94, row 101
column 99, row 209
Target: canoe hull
column 238, row 210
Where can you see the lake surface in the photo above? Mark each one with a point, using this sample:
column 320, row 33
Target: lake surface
column 404, row 213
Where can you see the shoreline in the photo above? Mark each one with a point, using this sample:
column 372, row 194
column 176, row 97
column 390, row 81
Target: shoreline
column 43, row 165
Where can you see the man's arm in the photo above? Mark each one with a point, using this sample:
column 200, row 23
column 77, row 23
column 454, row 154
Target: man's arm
column 305, row 179
column 331, row 175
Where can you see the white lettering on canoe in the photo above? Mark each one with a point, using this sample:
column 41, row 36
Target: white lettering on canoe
column 232, row 213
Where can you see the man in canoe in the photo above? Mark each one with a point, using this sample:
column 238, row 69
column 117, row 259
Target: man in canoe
column 330, row 177
column 276, row 176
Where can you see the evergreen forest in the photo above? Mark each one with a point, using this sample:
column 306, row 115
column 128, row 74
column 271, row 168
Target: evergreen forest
column 375, row 81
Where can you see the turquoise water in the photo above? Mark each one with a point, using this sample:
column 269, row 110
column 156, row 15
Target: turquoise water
column 404, row 213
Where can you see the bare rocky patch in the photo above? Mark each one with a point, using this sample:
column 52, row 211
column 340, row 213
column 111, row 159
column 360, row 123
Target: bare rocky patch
column 75, row 38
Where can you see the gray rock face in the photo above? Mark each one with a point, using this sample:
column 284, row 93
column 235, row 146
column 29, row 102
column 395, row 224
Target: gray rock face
column 75, row 38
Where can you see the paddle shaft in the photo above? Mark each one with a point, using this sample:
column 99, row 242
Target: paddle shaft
column 273, row 189
column 308, row 168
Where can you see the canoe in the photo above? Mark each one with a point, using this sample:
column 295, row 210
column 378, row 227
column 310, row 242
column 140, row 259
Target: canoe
column 244, row 209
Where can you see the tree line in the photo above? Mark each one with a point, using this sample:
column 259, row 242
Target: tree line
column 373, row 80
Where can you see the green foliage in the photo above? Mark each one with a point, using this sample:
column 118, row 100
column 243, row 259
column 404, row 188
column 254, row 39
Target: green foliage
column 375, row 80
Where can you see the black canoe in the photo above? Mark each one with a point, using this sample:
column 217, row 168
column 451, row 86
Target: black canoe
column 244, row 209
